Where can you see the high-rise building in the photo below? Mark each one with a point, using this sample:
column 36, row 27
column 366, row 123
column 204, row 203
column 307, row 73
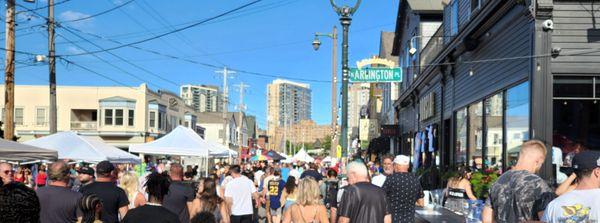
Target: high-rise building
column 203, row 98
column 287, row 103
column 358, row 101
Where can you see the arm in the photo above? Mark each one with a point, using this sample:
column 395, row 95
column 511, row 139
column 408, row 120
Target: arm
column 256, row 198
column 333, row 217
column 323, row 214
column 566, row 186
column 287, row 216
column 469, row 191
column 487, row 215
column 343, row 219
column 420, row 202
column 123, row 211
column 229, row 202
column 224, row 213
column 190, row 207
column 387, row 218
column 283, row 198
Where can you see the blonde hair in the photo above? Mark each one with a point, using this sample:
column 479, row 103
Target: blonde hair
column 308, row 192
column 533, row 146
column 129, row 183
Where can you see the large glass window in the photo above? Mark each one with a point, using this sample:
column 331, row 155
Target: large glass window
column 18, row 116
column 517, row 120
column 108, row 116
column 461, row 136
column 476, row 135
column 118, row 116
column 494, row 132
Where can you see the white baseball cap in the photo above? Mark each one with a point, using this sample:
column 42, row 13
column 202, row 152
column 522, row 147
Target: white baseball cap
column 402, row 160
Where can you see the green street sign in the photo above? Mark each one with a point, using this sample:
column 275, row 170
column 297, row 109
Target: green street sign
column 375, row 75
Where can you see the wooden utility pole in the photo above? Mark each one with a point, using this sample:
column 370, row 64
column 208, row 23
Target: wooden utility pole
column 225, row 74
column 52, row 68
column 9, row 72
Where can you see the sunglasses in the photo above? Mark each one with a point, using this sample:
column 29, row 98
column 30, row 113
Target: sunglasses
column 7, row 172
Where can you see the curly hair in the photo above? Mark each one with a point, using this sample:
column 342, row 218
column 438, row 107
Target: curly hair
column 19, row 204
column 157, row 185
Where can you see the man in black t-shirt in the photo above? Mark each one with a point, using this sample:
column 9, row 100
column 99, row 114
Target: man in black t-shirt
column 157, row 187
column 312, row 172
column 361, row 200
column 57, row 202
column 114, row 199
column 180, row 196
column 403, row 191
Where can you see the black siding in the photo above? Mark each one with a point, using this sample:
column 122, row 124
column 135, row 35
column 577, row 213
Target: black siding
column 574, row 30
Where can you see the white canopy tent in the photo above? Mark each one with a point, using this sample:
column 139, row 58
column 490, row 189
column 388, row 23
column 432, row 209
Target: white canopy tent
column 221, row 151
column 17, row 152
column 303, row 156
column 181, row 141
column 70, row 145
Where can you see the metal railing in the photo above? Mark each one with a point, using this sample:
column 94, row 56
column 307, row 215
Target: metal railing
column 84, row 125
column 432, row 49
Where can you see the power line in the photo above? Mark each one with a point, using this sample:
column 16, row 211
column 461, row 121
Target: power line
column 99, row 14
column 44, row 7
column 168, row 33
column 95, row 72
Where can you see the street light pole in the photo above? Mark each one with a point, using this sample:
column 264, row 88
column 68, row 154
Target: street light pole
column 345, row 14
column 9, row 72
column 334, row 112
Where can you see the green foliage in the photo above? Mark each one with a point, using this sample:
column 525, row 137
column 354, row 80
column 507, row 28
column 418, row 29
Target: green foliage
column 482, row 181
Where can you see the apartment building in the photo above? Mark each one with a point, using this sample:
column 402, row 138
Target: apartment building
column 203, row 98
column 287, row 103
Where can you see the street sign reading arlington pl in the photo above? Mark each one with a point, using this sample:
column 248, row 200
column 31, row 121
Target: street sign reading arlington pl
column 375, row 75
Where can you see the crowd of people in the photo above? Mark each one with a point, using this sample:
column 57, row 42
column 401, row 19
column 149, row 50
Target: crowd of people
column 356, row 192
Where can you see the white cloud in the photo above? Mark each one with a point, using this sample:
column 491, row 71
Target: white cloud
column 74, row 50
column 73, row 15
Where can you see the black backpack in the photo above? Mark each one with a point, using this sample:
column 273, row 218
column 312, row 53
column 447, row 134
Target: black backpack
column 331, row 190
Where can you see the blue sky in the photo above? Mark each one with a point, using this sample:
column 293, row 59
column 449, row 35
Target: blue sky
column 272, row 37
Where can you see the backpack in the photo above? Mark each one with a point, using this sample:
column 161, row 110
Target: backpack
column 331, row 190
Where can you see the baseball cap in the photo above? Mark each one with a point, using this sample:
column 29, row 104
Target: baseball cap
column 86, row 170
column 588, row 159
column 402, row 160
column 104, row 167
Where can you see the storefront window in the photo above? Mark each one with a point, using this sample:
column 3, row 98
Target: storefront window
column 573, row 87
column 494, row 133
column 461, row 136
column 517, row 120
column 597, row 88
column 476, row 135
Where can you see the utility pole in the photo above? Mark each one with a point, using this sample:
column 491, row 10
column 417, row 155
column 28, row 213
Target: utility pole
column 225, row 74
column 345, row 14
column 334, row 111
column 9, row 72
column 241, row 108
column 52, row 67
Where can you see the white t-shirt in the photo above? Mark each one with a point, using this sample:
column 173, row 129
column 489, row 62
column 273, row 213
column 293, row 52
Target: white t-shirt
column 378, row 180
column 295, row 173
column 240, row 191
column 575, row 206
column 257, row 176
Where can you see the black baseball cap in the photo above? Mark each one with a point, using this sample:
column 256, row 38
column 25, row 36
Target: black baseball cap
column 86, row 170
column 586, row 160
column 104, row 167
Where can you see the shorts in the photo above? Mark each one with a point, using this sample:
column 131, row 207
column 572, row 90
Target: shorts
column 275, row 212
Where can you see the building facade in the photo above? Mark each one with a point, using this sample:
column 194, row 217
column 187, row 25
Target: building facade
column 203, row 98
column 358, row 104
column 287, row 103
column 212, row 122
column 497, row 73
column 118, row 115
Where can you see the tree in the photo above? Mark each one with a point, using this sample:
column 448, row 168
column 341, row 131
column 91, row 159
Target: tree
column 326, row 143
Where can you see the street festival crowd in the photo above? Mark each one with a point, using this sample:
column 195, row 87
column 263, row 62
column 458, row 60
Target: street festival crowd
column 386, row 191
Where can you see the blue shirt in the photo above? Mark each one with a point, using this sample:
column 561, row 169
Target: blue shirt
column 285, row 173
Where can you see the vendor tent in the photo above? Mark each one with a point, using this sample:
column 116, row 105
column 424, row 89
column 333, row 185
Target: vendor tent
column 71, row 146
column 17, row 152
column 274, row 155
column 220, row 151
column 181, row 141
column 303, row 156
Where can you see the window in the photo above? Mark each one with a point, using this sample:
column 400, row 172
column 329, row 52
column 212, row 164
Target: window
column 494, row 107
column 161, row 120
column 454, row 18
column 40, row 116
column 152, row 119
column 461, row 136
column 118, row 116
column 475, row 4
column 517, row 120
column 130, row 117
column 574, row 87
column 95, row 116
column 18, row 116
column 108, row 116
column 476, row 135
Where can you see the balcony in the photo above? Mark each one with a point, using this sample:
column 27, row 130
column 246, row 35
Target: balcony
column 432, row 49
column 83, row 125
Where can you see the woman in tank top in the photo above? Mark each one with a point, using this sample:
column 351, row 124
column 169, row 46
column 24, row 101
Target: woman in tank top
column 129, row 183
column 288, row 198
column 208, row 201
column 308, row 207
column 459, row 190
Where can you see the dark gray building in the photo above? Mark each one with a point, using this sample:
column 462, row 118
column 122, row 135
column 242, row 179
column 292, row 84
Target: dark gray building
column 496, row 73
